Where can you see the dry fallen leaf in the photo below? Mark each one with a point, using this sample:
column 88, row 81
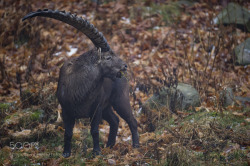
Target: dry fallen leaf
column 175, row 144
column 247, row 119
column 22, row 133
column 238, row 113
column 146, row 137
column 150, row 45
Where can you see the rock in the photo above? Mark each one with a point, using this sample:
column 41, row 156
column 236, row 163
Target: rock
column 234, row 14
column 190, row 94
column 184, row 97
column 187, row 3
column 111, row 162
column 242, row 53
column 244, row 100
column 227, row 97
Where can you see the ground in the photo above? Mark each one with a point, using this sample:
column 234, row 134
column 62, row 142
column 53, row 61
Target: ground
column 163, row 42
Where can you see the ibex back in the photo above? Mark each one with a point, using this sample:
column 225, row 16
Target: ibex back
column 91, row 85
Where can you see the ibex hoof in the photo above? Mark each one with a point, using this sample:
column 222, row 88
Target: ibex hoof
column 66, row 154
column 96, row 153
column 110, row 145
column 136, row 145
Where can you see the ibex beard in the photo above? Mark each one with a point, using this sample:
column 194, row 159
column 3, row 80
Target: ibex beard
column 91, row 85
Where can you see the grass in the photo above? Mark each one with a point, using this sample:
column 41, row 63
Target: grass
column 204, row 138
column 20, row 159
column 4, row 106
column 36, row 115
column 24, row 119
column 208, row 149
column 4, row 155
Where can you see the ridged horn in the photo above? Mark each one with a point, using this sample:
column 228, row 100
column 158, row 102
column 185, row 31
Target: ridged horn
column 80, row 24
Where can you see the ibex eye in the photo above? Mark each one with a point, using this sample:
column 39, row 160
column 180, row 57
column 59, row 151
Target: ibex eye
column 109, row 58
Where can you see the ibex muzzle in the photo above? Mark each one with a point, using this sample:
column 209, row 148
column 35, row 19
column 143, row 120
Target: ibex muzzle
column 91, row 85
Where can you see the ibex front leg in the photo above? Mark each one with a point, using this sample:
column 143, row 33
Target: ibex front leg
column 121, row 104
column 69, row 123
column 95, row 121
column 113, row 121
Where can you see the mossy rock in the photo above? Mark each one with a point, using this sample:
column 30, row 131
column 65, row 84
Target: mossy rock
column 227, row 97
column 242, row 53
column 181, row 98
column 168, row 11
column 234, row 14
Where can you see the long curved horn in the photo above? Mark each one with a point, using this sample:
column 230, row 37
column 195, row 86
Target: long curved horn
column 80, row 24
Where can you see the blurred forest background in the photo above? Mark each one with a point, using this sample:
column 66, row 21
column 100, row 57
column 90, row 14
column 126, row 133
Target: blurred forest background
column 170, row 46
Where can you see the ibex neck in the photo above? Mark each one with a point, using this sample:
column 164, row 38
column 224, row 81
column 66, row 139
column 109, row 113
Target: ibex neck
column 79, row 82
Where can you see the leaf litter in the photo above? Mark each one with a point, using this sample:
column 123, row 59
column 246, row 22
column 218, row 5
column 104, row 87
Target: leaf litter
column 152, row 43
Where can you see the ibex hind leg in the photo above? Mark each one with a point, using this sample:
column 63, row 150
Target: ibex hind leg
column 69, row 123
column 113, row 121
column 123, row 108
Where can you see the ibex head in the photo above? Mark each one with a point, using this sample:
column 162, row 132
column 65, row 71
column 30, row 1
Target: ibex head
column 110, row 64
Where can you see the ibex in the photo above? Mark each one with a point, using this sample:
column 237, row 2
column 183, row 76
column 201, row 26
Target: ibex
column 91, row 85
